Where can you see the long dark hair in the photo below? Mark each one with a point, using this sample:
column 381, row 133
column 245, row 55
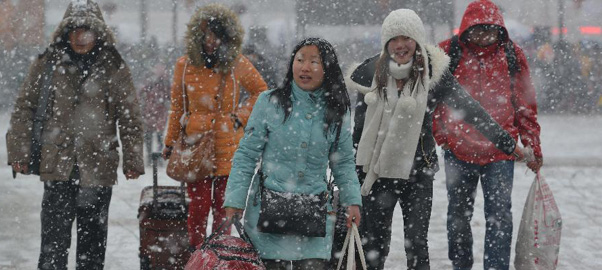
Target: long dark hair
column 337, row 98
column 382, row 70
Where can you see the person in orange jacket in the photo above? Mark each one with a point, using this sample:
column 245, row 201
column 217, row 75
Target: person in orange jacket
column 212, row 73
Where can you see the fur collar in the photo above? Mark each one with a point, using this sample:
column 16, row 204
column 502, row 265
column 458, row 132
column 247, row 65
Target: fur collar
column 438, row 61
column 197, row 28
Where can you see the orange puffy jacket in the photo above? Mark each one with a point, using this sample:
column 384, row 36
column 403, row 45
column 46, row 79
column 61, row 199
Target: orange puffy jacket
column 202, row 89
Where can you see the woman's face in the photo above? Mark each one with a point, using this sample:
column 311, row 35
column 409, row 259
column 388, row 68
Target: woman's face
column 308, row 71
column 81, row 40
column 211, row 43
column 401, row 49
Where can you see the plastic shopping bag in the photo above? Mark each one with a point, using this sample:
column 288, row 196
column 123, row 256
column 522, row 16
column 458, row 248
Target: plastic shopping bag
column 352, row 244
column 538, row 241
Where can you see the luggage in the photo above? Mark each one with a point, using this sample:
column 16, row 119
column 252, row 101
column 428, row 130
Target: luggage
column 225, row 252
column 163, row 217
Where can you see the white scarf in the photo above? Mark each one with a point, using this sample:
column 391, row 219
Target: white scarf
column 400, row 71
column 391, row 131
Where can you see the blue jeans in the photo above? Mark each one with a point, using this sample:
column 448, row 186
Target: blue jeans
column 496, row 180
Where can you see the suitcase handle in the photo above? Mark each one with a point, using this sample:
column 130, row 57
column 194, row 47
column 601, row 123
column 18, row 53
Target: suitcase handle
column 155, row 157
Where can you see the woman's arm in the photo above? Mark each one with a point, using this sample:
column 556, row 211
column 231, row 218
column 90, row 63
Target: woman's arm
column 177, row 105
column 252, row 81
column 342, row 165
column 247, row 155
column 450, row 92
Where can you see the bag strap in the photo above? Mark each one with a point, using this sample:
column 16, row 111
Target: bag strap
column 183, row 121
column 352, row 240
column 43, row 102
column 329, row 186
column 41, row 110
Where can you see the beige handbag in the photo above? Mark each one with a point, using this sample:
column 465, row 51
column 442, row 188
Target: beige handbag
column 352, row 240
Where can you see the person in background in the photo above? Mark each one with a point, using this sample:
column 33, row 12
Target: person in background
column 296, row 132
column 484, row 70
column 212, row 73
column 155, row 98
column 92, row 107
column 262, row 63
column 399, row 91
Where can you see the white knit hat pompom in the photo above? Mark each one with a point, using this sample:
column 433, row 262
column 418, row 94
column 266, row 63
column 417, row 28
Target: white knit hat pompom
column 370, row 98
column 402, row 22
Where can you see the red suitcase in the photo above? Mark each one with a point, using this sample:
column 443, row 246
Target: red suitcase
column 163, row 230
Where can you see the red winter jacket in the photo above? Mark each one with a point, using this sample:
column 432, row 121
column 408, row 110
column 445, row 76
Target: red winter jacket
column 483, row 72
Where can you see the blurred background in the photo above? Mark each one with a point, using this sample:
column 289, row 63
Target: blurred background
column 562, row 38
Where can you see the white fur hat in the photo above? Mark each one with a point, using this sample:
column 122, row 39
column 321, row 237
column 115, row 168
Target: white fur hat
column 402, row 22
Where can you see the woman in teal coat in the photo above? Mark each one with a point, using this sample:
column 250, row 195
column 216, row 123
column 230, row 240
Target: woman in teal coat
column 293, row 133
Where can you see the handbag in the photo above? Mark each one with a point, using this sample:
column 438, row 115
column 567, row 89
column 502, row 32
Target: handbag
column 293, row 213
column 538, row 241
column 352, row 240
column 193, row 157
column 224, row 252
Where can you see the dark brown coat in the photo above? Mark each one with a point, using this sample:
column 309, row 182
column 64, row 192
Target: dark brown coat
column 83, row 118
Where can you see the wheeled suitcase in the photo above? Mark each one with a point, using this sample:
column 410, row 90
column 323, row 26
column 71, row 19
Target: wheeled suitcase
column 163, row 230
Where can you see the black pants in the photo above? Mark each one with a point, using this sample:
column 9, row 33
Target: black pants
column 64, row 202
column 415, row 198
column 307, row 264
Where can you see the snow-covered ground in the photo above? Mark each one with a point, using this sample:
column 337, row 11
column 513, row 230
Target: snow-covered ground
column 572, row 148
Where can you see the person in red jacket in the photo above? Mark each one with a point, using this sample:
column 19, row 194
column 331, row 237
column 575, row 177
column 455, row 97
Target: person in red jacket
column 484, row 70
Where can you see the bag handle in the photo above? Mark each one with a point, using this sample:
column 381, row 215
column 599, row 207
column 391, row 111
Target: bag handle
column 351, row 240
column 156, row 156
column 224, row 226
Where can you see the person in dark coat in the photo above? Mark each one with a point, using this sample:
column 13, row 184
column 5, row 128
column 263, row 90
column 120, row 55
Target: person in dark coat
column 92, row 100
column 155, row 96
column 398, row 92
column 484, row 70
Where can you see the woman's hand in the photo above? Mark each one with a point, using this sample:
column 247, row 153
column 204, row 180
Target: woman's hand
column 233, row 212
column 353, row 215
column 166, row 152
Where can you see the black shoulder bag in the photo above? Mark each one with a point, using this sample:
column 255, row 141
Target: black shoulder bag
column 38, row 121
column 293, row 213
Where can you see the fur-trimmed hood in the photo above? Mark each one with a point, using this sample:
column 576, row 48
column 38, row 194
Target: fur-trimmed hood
column 84, row 13
column 360, row 77
column 230, row 46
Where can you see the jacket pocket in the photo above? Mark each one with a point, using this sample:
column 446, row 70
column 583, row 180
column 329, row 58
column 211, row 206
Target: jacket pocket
column 106, row 156
column 51, row 151
column 49, row 157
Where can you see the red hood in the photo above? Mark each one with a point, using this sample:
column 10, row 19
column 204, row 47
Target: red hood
column 482, row 12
